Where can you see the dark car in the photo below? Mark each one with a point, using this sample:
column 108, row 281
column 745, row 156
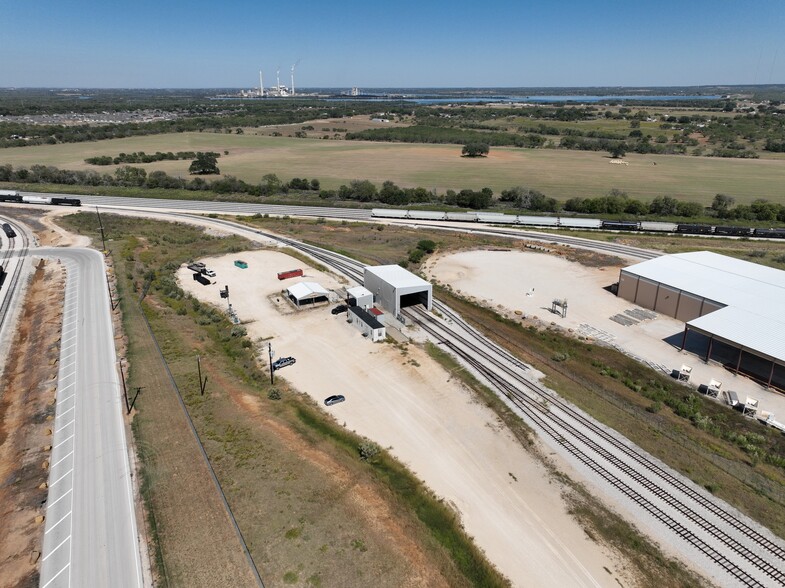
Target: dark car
column 283, row 362
column 339, row 309
column 335, row 399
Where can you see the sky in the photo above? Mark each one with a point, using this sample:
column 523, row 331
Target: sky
column 405, row 44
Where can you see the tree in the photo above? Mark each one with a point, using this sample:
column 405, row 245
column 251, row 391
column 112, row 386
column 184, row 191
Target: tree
column 475, row 149
column 427, row 245
column 130, row 176
column 664, row 206
column 204, row 164
column 271, row 184
column 618, row 150
column 722, row 202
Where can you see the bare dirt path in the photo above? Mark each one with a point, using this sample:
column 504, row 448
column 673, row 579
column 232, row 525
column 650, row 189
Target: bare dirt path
column 26, row 411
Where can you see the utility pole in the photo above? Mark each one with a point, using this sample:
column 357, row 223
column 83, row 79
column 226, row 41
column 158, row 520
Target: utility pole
column 270, row 350
column 101, row 228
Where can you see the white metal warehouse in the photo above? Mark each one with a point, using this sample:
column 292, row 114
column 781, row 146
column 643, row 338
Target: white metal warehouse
column 736, row 306
column 395, row 288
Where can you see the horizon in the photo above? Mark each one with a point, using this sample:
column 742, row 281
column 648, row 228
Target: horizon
column 635, row 87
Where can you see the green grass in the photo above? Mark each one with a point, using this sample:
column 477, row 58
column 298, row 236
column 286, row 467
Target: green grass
column 559, row 174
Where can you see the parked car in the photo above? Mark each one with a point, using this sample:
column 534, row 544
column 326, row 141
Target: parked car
column 334, row 399
column 283, row 362
column 339, row 309
column 209, row 273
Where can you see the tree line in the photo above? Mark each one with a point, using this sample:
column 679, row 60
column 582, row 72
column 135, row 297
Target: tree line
column 521, row 198
column 142, row 157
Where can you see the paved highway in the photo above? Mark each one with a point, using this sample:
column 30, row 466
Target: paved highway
column 91, row 536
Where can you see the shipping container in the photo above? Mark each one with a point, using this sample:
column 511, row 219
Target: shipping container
column 290, row 274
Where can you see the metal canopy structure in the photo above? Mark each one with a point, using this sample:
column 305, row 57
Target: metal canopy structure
column 307, row 292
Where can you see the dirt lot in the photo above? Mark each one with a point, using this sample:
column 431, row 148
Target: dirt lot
column 26, row 409
column 404, row 401
column 529, row 282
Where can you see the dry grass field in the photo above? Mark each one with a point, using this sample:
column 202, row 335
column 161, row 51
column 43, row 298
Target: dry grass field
column 560, row 174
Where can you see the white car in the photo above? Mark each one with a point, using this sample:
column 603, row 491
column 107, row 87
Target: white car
column 209, row 273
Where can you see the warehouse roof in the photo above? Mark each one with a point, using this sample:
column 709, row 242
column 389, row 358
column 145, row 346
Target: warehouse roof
column 306, row 290
column 754, row 295
column 397, row 276
column 358, row 292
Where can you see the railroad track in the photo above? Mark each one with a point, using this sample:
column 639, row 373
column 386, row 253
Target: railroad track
column 746, row 554
column 12, row 280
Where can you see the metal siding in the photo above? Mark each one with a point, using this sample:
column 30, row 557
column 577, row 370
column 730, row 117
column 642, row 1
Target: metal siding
column 689, row 307
column 667, row 300
column 647, row 293
column 628, row 284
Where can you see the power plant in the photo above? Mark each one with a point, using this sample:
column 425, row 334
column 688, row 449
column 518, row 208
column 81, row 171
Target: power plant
column 278, row 90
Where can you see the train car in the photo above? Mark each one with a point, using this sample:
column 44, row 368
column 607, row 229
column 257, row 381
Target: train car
column 499, row 219
column 64, row 201
column 389, row 213
column 10, row 196
column 36, row 200
column 735, row 231
column 691, row 229
column 9, row 231
column 658, row 226
column 426, row 215
column 580, row 223
column 469, row 217
column 537, row 221
column 770, row 233
column 621, row 225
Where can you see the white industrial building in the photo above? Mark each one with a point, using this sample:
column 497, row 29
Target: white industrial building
column 395, row 288
column 368, row 324
column 307, row 293
column 359, row 296
column 733, row 310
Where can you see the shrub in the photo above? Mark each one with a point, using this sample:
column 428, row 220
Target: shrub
column 368, row 449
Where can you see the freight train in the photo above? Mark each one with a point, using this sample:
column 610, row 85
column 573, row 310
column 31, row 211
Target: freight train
column 11, row 196
column 569, row 222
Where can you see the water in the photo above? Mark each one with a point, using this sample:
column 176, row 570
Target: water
column 552, row 99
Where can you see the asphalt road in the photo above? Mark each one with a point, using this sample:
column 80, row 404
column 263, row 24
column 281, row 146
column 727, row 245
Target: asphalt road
column 91, row 536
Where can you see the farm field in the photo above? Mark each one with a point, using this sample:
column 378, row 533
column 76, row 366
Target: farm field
column 559, row 174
